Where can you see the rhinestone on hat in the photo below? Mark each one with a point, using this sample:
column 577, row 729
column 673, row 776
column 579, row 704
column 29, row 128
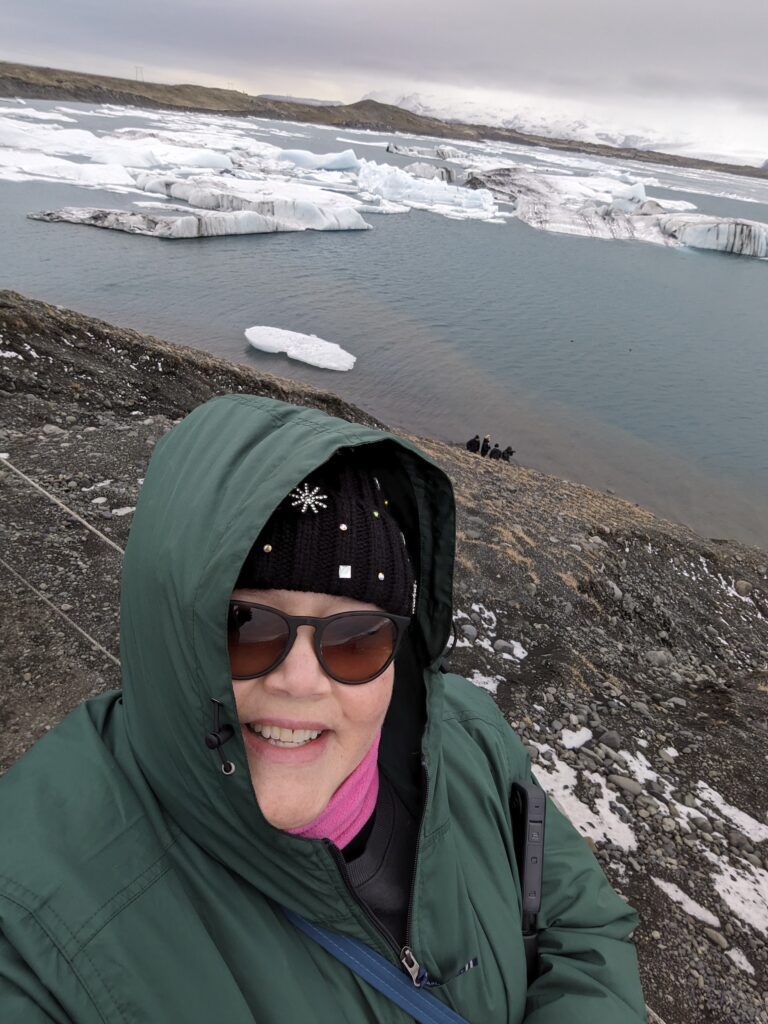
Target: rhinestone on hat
column 306, row 498
column 376, row 514
column 345, row 572
column 381, row 575
column 267, row 548
column 343, row 526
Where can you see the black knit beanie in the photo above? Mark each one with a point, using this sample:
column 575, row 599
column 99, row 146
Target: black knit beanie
column 335, row 534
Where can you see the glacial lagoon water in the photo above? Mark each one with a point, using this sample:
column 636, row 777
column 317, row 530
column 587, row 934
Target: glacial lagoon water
column 624, row 365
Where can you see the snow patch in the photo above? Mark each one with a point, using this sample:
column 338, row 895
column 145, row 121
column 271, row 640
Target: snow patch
column 490, row 683
column 754, row 830
column 690, row 906
column 573, row 740
column 740, row 960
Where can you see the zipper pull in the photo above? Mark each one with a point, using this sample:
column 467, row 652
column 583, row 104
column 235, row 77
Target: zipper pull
column 412, row 966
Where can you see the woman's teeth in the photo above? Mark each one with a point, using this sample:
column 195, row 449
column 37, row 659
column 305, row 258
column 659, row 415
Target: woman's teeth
column 280, row 737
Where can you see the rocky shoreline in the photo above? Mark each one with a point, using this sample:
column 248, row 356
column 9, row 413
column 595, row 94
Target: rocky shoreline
column 630, row 654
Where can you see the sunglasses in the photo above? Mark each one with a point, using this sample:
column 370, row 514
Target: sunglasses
column 352, row 647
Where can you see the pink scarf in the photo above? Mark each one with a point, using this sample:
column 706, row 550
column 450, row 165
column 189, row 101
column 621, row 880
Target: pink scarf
column 350, row 806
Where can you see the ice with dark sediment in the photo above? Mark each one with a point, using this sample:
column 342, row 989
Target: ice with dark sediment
column 724, row 234
column 609, row 208
column 430, row 152
column 180, row 222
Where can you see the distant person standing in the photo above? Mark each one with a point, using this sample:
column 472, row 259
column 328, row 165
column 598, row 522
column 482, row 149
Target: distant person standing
column 495, row 452
column 508, row 453
column 485, row 445
column 473, row 445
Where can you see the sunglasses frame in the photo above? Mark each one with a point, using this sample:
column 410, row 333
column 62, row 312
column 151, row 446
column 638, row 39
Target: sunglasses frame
column 319, row 623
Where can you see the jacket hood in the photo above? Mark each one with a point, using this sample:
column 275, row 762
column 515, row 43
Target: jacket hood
column 210, row 487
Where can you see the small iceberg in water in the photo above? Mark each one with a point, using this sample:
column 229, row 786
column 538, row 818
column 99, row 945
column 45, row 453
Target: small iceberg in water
column 307, row 348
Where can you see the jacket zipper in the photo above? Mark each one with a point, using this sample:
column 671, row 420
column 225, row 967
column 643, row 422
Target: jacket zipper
column 405, row 956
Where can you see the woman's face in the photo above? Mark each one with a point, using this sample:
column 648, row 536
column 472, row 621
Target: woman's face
column 294, row 784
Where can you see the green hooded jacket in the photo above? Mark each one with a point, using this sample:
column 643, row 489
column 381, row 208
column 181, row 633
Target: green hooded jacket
column 138, row 883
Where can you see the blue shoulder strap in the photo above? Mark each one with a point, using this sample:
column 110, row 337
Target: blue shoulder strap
column 380, row 973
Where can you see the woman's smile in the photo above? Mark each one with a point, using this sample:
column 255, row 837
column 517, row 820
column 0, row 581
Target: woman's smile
column 304, row 732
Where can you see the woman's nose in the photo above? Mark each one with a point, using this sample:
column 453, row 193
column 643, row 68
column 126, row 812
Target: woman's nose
column 300, row 674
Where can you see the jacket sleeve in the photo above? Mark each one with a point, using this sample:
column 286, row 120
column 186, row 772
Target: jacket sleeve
column 23, row 999
column 589, row 965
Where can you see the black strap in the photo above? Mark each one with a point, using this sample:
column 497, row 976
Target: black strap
column 528, row 804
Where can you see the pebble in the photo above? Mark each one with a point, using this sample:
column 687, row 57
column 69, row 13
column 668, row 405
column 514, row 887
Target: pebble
column 702, row 824
column 611, row 739
column 629, row 785
column 742, row 587
column 469, row 631
column 659, row 659
column 716, row 937
column 503, row 647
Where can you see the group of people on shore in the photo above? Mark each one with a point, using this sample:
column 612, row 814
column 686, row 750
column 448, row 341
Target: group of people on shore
column 492, row 451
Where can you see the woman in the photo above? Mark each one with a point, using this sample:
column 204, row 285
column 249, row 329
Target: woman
column 256, row 764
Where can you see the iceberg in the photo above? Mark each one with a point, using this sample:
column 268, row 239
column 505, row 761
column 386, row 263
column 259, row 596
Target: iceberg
column 435, row 153
column 288, row 206
column 611, row 208
column 53, row 140
column 344, row 161
column 431, row 171
column 723, row 234
column 19, row 165
column 307, row 348
column 180, row 222
column 37, row 115
column 396, row 185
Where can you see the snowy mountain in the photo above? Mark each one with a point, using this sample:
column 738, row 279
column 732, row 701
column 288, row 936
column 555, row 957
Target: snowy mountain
column 723, row 135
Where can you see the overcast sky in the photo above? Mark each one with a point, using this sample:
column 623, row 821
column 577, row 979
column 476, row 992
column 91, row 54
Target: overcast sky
column 624, row 55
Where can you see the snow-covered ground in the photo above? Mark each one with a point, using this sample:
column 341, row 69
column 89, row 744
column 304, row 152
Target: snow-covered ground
column 211, row 175
column 711, row 131
column 742, row 886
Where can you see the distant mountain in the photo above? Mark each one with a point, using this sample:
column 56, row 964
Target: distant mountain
column 551, row 122
column 301, row 99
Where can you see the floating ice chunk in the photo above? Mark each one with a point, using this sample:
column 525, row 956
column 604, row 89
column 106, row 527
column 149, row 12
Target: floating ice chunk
column 363, row 142
column 438, row 153
column 344, row 161
column 307, row 348
column 201, row 223
column 603, row 207
column 56, row 141
column 396, row 185
column 375, row 204
column 287, row 206
column 433, row 171
column 724, row 234
column 37, row 115
column 19, row 165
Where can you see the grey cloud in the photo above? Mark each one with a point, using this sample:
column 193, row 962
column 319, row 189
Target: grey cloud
column 549, row 46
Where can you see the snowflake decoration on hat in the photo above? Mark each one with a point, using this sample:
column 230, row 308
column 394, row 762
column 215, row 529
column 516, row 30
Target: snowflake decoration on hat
column 305, row 498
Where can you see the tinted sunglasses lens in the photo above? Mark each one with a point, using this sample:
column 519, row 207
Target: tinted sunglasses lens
column 356, row 648
column 256, row 639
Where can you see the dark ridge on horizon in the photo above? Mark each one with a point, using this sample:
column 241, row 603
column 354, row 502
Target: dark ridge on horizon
column 31, row 82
